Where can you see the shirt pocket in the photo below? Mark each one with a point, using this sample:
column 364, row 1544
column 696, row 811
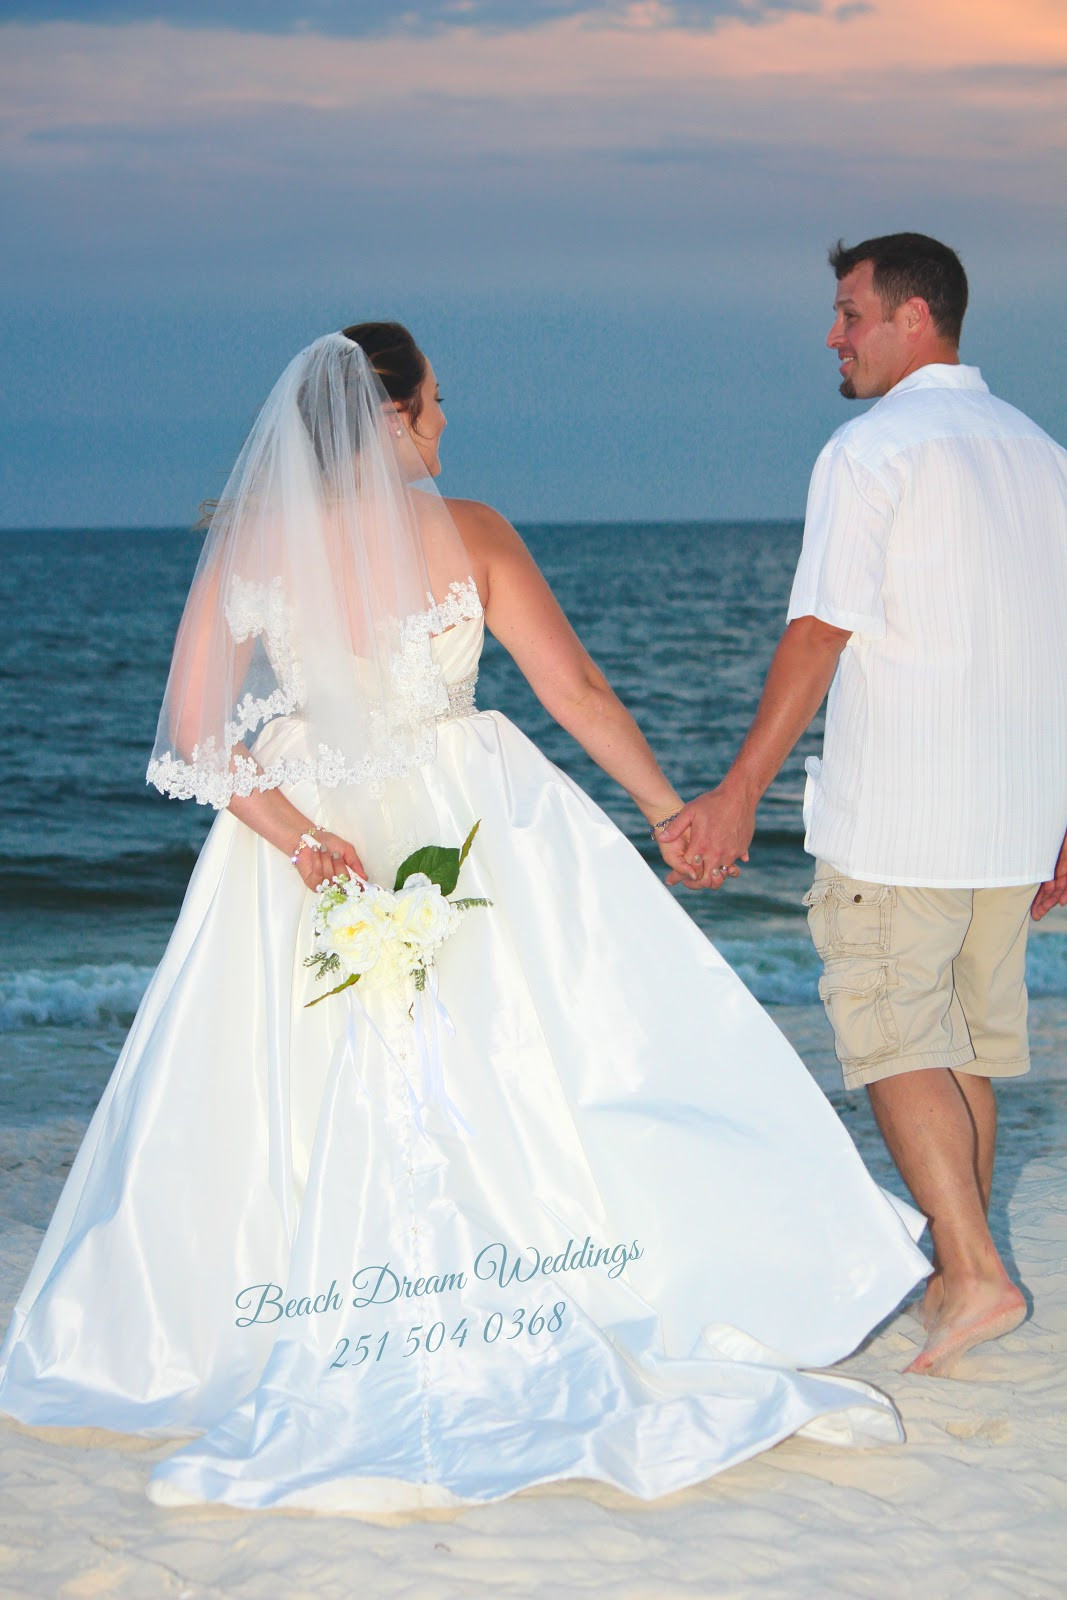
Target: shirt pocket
column 856, row 997
column 847, row 917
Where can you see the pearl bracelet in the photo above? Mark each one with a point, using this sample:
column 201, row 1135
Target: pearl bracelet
column 307, row 841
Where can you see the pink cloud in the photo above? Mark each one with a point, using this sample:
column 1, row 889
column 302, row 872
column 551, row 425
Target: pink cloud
column 912, row 78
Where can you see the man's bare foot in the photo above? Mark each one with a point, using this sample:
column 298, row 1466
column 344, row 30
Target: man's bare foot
column 988, row 1311
column 926, row 1308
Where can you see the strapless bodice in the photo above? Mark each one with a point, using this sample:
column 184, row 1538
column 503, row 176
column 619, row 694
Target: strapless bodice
column 457, row 652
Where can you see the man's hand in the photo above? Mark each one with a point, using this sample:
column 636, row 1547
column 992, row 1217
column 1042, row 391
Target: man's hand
column 720, row 825
column 1052, row 893
column 674, row 854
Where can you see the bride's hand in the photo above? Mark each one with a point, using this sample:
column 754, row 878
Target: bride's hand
column 674, row 855
column 334, row 858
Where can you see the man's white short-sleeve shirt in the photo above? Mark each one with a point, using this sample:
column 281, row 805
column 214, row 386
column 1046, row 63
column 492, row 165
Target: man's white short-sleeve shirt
column 936, row 532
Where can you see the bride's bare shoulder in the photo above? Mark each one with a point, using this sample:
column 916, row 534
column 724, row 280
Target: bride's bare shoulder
column 481, row 527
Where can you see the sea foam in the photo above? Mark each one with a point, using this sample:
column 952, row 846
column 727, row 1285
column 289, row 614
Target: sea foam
column 780, row 970
column 73, row 997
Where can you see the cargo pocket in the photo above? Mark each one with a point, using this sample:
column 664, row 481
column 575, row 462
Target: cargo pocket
column 817, row 901
column 847, row 917
column 856, row 997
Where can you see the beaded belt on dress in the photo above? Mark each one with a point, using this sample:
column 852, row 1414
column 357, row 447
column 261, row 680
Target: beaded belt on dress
column 460, row 698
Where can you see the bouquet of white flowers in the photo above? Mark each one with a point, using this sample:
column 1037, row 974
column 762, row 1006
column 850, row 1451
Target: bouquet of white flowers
column 379, row 937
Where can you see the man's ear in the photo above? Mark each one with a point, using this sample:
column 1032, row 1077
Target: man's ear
column 914, row 317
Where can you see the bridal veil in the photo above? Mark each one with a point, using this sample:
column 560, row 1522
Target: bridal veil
column 329, row 564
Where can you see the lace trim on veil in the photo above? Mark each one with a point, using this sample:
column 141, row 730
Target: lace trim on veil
column 213, row 776
column 260, row 610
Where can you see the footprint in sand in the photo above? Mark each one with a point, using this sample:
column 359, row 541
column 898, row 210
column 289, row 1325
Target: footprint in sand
column 994, row 1430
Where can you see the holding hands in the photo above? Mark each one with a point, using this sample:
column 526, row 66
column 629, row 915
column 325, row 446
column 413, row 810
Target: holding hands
column 709, row 836
column 703, row 842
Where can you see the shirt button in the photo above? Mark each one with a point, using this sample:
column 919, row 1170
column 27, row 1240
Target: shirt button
column 857, row 898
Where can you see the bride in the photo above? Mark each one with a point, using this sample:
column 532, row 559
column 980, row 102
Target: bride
column 573, row 1209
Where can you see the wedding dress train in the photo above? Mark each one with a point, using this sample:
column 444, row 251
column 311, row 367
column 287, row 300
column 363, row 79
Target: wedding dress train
column 583, row 1214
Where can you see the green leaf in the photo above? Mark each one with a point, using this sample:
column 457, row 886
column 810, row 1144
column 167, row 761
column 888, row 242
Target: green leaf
column 463, row 905
column 465, row 848
column 346, row 985
column 439, row 862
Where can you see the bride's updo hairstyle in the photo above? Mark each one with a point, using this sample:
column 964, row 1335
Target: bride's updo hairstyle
column 397, row 360
column 400, row 367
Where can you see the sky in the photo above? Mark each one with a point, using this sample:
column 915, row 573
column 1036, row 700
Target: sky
column 606, row 224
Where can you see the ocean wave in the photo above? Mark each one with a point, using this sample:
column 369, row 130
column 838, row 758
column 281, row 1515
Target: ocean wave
column 74, row 997
column 785, row 970
column 781, row 970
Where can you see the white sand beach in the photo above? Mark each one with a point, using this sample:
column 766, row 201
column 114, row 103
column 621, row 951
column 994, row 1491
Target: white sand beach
column 974, row 1504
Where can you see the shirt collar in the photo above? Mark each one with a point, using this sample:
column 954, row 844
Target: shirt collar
column 939, row 375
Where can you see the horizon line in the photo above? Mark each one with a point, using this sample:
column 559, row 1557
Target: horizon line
column 519, row 522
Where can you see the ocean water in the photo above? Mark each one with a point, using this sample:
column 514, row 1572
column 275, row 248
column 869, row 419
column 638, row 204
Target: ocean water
column 93, row 863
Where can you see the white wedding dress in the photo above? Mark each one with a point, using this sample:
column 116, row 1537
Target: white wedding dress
column 603, row 1245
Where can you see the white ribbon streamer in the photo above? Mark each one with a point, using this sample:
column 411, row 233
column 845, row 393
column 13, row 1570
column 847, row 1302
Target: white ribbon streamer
column 428, row 1043
column 349, row 1043
column 429, row 1046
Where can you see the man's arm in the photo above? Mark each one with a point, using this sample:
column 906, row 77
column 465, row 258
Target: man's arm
column 1054, row 892
column 723, row 821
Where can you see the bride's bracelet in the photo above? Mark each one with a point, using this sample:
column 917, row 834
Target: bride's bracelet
column 656, row 828
column 308, row 840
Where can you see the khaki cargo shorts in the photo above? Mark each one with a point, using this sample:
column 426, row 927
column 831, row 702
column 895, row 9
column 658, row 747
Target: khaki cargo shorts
column 915, row 978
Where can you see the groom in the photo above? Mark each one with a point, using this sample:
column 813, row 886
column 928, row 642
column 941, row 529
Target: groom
column 931, row 600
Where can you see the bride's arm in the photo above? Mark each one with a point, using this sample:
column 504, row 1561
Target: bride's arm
column 523, row 613
column 267, row 812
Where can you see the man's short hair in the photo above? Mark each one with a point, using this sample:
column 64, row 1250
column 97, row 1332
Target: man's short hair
column 907, row 265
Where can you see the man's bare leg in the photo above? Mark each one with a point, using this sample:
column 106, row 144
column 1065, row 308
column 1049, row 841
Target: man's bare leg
column 932, row 1133
column 982, row 1104
column 981, row 1101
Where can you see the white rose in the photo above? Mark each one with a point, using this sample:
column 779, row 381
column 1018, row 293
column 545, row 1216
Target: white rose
column 354, row 934
column 418, row 880
column 383, row 904
column 423, row 916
